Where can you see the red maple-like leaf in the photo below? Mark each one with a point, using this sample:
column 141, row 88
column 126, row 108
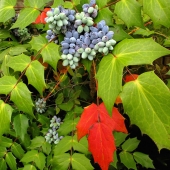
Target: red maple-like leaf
column 41, row 18
column 130, row 77
column 96, row 122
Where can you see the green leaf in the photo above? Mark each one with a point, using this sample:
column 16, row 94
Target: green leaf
column 29, row 167
column 143, row 32
column 3, row 151
column 35, row 75
column 7, row 10
column 139, row 51
column 119, row 138
column 68, row 126
column 109, row 77
column 11, row 161
column 131, row 14
column 37, row 142
column 143, row 159
column 119, row 33
column 5, row 141
column 59, row 98
column 66, row 106
column 17, row 50
column 5, row 117
column 62, row 161
column 68, row 4
column 115, row 160
column 44, row 120
column 167, row 42
column 127, row 159
column 63, row 146
column 46, row 147
column 81, row 146
column 162, row 14
column 3, row 164
column 87, row 64
column 4, row 34
column 57, row 3
column 7, row 83
column 130, row 144
column 50, row 52
column 21, row 96
column 153, row 110
column 20, row 125
column 34, row 3
column 79, row 161
column 76, row 2
column 101, row 3
column 17, row 150
column 105, row 14
column 19, row 63
column 26, row 17
column 36, row 157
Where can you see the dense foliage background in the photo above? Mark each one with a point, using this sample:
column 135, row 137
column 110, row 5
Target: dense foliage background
column 38, row 93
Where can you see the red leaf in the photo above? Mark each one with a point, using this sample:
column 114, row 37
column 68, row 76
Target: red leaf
column 41, row 18
column 101, row 144
column 131, row 77
column 97, row 123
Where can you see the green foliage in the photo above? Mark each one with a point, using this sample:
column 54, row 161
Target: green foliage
column 32, row 69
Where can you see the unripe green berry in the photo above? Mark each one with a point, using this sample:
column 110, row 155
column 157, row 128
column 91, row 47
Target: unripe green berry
column 105, row 50
column 56, row 11
column 90, row 10
column 84, row 55
column 65, row 62
column 69, row 57
column 80, row 29
column 86, row 28
column 59, row 23
column 88, row 50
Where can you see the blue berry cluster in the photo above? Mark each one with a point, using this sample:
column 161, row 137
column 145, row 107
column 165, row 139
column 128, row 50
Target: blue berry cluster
column 52, row 135
column 40, row 105
column 83, row 38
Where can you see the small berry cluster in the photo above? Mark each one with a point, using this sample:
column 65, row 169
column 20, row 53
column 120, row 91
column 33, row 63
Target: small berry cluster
column 52, row 135
column 40, row 105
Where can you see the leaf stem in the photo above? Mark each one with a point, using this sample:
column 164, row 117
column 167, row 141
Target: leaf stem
column 112, row 3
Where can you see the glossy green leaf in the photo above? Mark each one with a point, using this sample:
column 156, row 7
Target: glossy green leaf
column 5, row 117
column 109, row 77
column 34, row 3
column 63, row 146
column 119, row 33
column 127, row 159
column 61, row 161
column 148, row 107
column 17, row 150
column 11, row 161
column 7, row 83
column 130, row 144
column 29, row 167
column 26, row 17
column 143, row 159
column 19, row 63
column 105, row 14
column 59, row 98
column 3, row 164
column 115, row 160
column 162, row 14
column 119, row 138
column 46, row 148
column 35, row 75
column 37, row 142
column 20, row 125
column 44, row 120
column 79, row 161
column 57, row 3
column 76, row 2
column 49, row 55
column 36, row 157
column 4, row 67
column 4, row 141
column 87, row 64
column 131, row 14
column 100, row 3
column 68, row 126
column 68, row 4
column 66, row 106
column 7, row 10
column 139, row 51
column 21, row 96
column 2, row 151
column 81, row 146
